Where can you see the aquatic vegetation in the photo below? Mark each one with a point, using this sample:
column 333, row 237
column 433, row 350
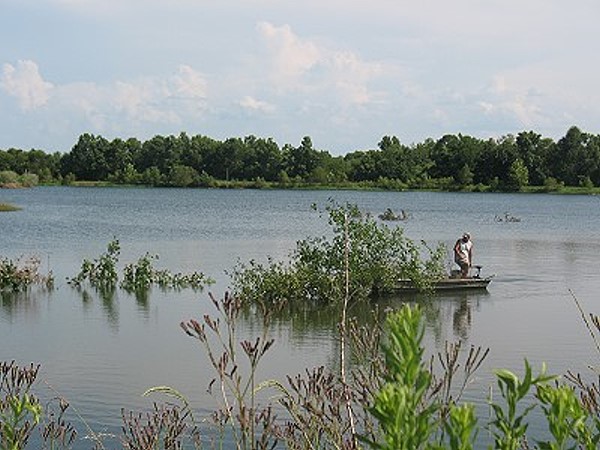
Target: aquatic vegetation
column 102, row 274
column 378, row 256
column 142, row 275
column 19, row 275
column 384, row 393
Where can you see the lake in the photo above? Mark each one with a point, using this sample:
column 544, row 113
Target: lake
column 103, row 354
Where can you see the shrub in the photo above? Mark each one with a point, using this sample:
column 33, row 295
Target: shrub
column 29, row 180
column 102, row 274
column 551, row 184
column 142, row 275
column 377, row 257
column 8, row 177
column 18, row 276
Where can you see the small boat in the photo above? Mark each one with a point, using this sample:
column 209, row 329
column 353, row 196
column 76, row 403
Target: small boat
column 452, row 283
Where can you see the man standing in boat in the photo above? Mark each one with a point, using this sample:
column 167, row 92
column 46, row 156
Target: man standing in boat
column 463, row 254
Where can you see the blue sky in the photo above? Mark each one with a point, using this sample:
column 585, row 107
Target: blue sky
column 345, row 73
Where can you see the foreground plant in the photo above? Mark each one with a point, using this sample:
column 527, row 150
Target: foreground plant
column 164, row 427
column 570, row 423
column 236, row 362
column 405, row 419
column 509, row 426
column 20, row 410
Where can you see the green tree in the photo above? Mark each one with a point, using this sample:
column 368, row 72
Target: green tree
column 335, row 168
column 182, row 176
column 576, row 156
column 225, row 162
column 400, row 162
column 451, row 153
column 160, row 152
column 494, row 164
column 464, row 177
column 123, row 154
column 263, row 159
column 88, row 159
column 535, row 152
column 301, row 161
column 363, row 165
column 127, row 175
column 518, row 175
column 152, row 177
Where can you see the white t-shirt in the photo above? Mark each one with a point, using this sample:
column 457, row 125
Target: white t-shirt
column 463, row 250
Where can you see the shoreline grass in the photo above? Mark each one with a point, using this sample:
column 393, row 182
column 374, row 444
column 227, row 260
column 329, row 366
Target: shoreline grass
column 6, row 207
column 364, row 186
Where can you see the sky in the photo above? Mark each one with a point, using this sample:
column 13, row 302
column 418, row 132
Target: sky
column 346, row 73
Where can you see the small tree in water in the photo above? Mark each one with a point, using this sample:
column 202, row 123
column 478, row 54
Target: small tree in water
column 378, row 255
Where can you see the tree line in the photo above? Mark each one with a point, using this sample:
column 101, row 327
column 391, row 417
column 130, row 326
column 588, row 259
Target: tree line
column 508, row 163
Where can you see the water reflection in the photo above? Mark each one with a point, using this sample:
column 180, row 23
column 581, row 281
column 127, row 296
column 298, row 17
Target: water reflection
column 448, row 317
column 110, row 301
column 108, row 298
column 25, row 304
column 12, row 303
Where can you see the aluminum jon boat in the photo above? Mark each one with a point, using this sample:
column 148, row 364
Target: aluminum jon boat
column 452, row 283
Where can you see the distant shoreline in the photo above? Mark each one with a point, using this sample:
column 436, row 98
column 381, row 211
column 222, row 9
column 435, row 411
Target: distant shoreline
column 564, row 190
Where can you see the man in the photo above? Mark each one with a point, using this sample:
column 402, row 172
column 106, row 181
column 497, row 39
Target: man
column 463, row 254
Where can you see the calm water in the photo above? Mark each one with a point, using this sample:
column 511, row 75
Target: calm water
column 103, row 354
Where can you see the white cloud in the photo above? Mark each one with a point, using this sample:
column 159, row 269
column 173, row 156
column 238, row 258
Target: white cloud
column 520, row 108
column 291, row 57
column 188, row 83
column 143, row 101
column 148, row 99
column 541, row 95
column 349, row 70
column 352, row 77
column 83, row 100
column 252, row 104
column 25, row 83
column 305, row 66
